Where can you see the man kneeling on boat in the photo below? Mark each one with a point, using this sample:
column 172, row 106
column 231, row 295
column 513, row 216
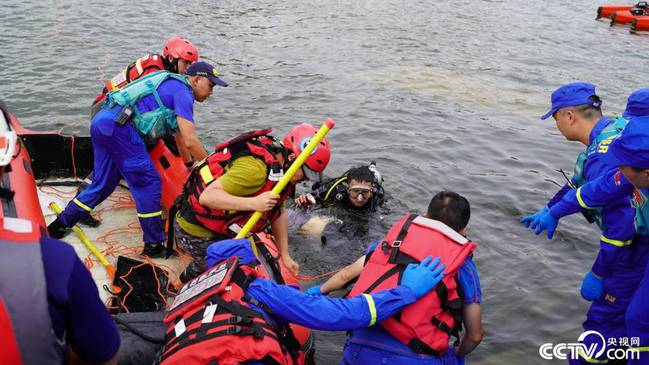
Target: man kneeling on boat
column 153, row 107
column 224, row 190
column 50, row 310
column 236, row 313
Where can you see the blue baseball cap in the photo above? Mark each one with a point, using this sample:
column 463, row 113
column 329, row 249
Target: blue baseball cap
column 631, row 148
column 637, row 104
column 206, row 70
column 575, row 93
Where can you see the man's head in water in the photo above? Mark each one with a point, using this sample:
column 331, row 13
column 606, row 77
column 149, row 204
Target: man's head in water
column 451, row 209
column 361, row 184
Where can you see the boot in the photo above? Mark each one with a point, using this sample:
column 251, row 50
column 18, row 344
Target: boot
column 57, row 230
column 153, row 250
column 90, row 221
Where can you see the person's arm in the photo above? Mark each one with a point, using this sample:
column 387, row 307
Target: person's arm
column 606, row 189
column 559, row 195
column 182, row 149
column 344, row 276
column 472, row 319
column 279, row 229
column 92, row 333
column 190, row 140
column 215, row 197
column 337, row 314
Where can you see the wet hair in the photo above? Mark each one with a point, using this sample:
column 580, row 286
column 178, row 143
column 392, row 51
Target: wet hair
column 588, row 111
column 362, row 173
column 451, row 209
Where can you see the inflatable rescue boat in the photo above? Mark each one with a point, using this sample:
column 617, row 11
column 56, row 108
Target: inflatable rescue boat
column 50, row 167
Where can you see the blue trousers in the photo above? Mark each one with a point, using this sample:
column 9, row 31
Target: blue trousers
column 120, row 152
column 607, row 315
column 637, row 320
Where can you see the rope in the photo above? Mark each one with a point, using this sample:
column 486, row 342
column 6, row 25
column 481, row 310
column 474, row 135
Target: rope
column 316, row 277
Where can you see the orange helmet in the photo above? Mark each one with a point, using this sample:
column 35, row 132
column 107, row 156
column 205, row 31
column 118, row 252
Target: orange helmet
column 298, row 138
column 178, row 47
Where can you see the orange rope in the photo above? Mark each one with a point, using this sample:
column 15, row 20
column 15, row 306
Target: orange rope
column 316, row 277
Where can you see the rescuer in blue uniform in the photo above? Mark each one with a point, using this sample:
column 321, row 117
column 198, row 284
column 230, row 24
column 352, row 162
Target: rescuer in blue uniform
column 631, row 153
column 131, row 116
column 618, row 267
column 289, row 304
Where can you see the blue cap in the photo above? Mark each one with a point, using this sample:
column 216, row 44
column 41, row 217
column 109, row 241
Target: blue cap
column 222, row 250
column 638, row 104
column 631, row 148
column 575, row 93
column 206, row 70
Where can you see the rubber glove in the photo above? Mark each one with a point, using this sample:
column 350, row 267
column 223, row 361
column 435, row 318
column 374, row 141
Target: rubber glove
column 533, row 219
column 546, row 222
column 592, row 288
column 423, row 277
column 314, row 290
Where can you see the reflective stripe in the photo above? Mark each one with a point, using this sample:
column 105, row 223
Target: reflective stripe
column 615, row 242
column 206, row 174
column 138, row 66
column 581, row 202
column 592, row 361
column 149, row 215
column 370, row 304
column 640, row 348
column 333, row 186
column 83, row 206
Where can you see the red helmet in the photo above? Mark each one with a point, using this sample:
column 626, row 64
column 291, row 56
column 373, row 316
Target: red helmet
column 299, row 137
column 178, row 47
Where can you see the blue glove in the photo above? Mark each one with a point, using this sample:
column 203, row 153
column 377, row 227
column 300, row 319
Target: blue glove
column 547, row 222
column 423, row 277
column 533, row 219
column 314, row 290
column 592, row 288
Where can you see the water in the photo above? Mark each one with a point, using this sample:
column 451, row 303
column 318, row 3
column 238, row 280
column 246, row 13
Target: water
column 443, row 95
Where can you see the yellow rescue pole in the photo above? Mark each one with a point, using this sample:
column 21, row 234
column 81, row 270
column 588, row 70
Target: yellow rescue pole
column 110, row 269
column 288, row 175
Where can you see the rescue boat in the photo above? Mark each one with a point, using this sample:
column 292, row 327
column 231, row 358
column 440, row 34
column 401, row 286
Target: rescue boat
column 640, row 25
column 50, row 167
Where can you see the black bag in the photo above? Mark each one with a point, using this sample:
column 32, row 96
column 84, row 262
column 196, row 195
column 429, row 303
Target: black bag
column 143, row 287
column 142, row 337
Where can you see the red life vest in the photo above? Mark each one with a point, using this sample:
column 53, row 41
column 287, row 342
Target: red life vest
column 426, row 325
column 137, row 69
column 210, row 321
column 227, row 223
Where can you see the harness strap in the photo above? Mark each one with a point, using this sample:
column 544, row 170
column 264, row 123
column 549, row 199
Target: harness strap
column 396, row 244
column 419, row 347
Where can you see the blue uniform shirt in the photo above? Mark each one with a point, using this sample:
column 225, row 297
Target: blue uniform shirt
column 617, row 214
column 79, row 318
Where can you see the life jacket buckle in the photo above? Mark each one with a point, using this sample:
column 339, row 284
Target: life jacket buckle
column 396, row 244
column 233, row 330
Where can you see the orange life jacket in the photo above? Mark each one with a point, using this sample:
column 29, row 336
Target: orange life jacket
column 426, row 325
column 210, row 321
column 143, row 66
column 227, row 223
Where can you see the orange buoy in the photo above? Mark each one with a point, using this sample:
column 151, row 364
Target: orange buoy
column 605, row 11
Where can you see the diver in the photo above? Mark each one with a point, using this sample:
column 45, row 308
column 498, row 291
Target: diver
column 359, row 188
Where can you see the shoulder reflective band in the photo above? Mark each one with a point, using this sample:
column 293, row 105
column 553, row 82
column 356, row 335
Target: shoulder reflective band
column 149, row 215
column 372, row 307
column 206, row 174
column 581, row 202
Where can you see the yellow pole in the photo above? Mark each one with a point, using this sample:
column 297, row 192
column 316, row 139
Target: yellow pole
column 110, row 269
column 297, row 164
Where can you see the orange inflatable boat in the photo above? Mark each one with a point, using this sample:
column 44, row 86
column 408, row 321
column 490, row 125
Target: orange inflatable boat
column 605, row 11
column 19, row 177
